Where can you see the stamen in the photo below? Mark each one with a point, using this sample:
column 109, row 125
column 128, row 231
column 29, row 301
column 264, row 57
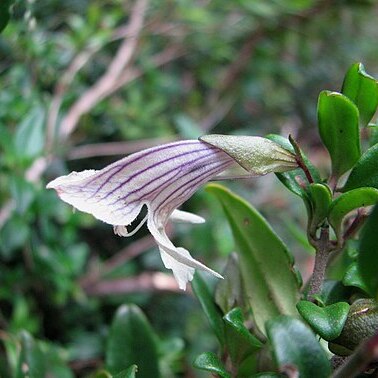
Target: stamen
column 126, row 233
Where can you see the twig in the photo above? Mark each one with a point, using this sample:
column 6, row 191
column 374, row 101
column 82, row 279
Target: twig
column 321, row 259
column 105, row 84
column 365, row 354
column 114, row 148
column 300, row 161
column 142, row 283
column 66, row 79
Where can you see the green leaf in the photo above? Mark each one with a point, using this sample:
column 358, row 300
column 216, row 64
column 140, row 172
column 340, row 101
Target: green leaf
column 209, row 307
column 210, row 362
column 347, row 202
column 128, row 373
column 229, row 292
column 321, row 198
column 295, row 345
column 362, row 89
column 365, row 172
column 327, row 322
column 368, row 253
column 4, row 13
column 31, row 362
column 29, row 137
column 353, row 278
column 265, row 264
column 131, row 341
column 239, row 340
column 338, row 128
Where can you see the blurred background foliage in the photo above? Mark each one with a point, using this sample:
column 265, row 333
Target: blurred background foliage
column 85, row 82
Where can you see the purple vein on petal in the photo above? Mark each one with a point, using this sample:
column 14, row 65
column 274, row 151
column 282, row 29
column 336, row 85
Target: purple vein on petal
column 144, row 170
column 193, row 184
column 126, row 163
column 158, row 184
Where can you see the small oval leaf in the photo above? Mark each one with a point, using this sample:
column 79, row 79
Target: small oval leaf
column 210, row 362
column 338, row 128
column 295, row 345
column 347, row 202
column 321, row 198
column 239, row 340
column 365, row 172
column 327, row 322
column 362, row 89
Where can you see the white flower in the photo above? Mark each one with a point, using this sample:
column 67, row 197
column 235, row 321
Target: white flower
column 161, row 178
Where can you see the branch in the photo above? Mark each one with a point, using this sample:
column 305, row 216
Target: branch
column 106, row 83
column 144, row 282
column 115, row 148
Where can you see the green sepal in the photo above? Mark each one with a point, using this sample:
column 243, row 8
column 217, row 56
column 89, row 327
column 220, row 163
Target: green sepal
column 362, row 89
column 338, row 128
column 368, row 254
column 265, row 263
column 365, row 172
column 294, row 344
column 211, row 310
column 347, row 202
column 328, row 321
column 210, row 362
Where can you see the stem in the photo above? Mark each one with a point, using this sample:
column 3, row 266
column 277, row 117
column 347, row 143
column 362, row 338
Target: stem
column 323, row 249
column 299, row 158
column 365, row 354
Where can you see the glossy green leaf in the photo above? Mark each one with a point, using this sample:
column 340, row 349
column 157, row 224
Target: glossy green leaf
column 368, row 253
column 294, row 344
column 210, row 362
column 129, row 335
column 321, row 198
column 353, row 278
column 362, row 89
column 212, row 311
column 295, row 180
column 265, row 262
column 339, row 131
column 327, row 322
column 239, row 340
column 229, row 292
column 365, row 172
column 347, row 202
column 31, row 361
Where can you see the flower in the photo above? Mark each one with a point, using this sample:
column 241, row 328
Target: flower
column 161, row 178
